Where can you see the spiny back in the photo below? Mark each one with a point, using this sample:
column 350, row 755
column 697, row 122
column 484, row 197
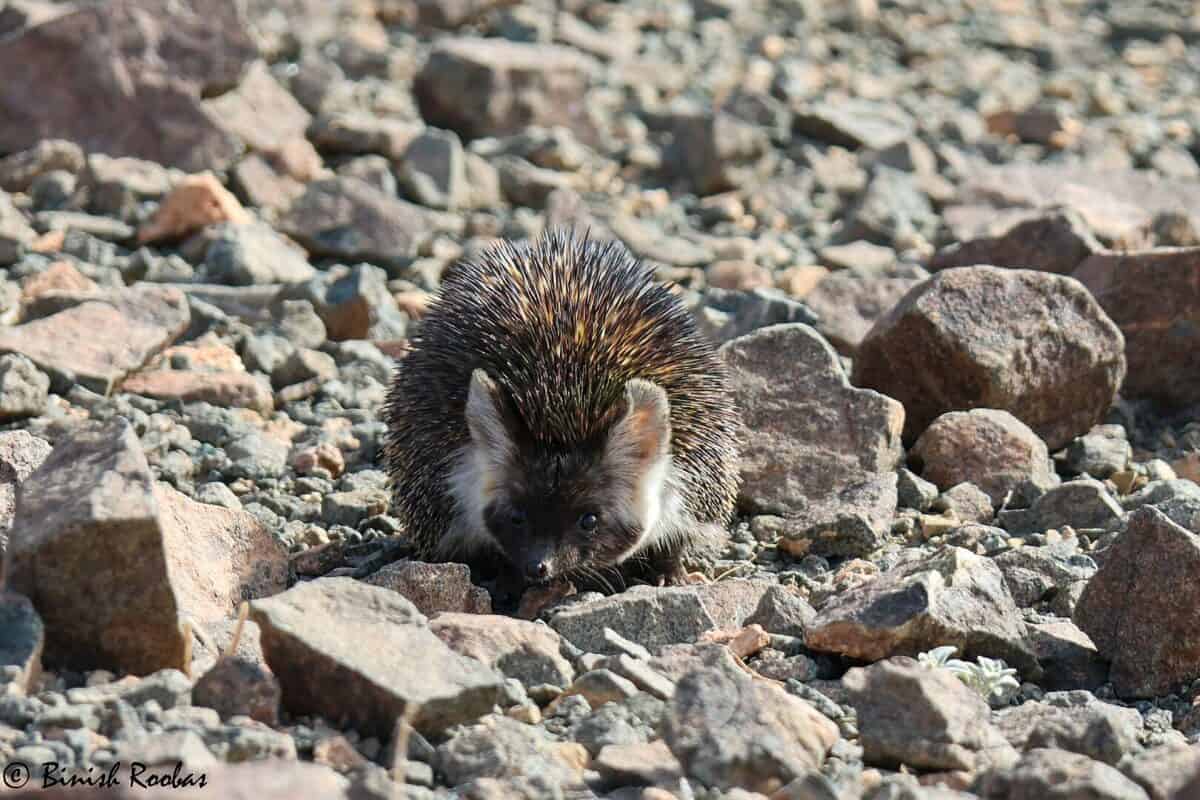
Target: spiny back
column 561, row 324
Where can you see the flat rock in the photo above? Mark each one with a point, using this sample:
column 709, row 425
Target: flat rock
column 527, row 651
column 1068, row 656
column 1057, row 242
column 246, row 255
column 1100, row 452
column 171, row 560
column 350, row 219
column 1051, row 774
column 726, row 314
column 434, row 588
column 810, row 438
column 1081, row 503
column 22, row 637
column 226, row 389
column 20, row 454
column 728, row 730
column 259, row 112
column 1154, row 298
column 492, row 87
column 18, row 171
column 910, row 714
column 989, row 448
column 138, row 322
column 1098, row 730
column 855, row 123
column 655, row 617
column 499, row 747
column 952, row 597
column 1136, row 607
column 638, row 764
column 61, row 80
column 1034, row 574
column 1031, row 343
column 361, row 655
column 848, row 304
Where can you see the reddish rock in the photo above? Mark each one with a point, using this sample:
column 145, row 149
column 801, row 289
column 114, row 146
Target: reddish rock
column 1154, row 297
column 263, row 186
column 137, row 323
column 361, row 655
column 815, row 449
column 235, row 686
column 61, row 276
column 433, row 588
column 1031, row 343
column 493, row 87
column 225, row 389
column 125, row 78
column 115, row 563
column 1057, row 242
column 991, row 449
column 1139, row 607
column 847, row 305
column 527, row 651
column 196, row 201
column 260, row 112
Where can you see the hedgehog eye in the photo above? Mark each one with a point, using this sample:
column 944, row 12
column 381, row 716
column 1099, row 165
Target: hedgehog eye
column 588, row 522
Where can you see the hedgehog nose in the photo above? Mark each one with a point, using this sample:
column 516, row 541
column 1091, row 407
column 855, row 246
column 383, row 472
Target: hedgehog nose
column 537, row 570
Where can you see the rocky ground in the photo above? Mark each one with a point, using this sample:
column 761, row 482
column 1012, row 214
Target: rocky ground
column 951, row 250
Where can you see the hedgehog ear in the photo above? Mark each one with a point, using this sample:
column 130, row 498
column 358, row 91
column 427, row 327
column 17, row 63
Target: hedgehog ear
column 642, row 437
column 490, row 425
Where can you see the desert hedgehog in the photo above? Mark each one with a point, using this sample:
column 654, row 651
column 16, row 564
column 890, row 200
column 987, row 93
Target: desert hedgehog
column 559, row 414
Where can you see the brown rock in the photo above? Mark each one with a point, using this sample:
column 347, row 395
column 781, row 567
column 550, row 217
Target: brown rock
column 18, row 170
column 61, row 276
column 988, row 448
column 814, row 448
column 170, row 560
column 20, row 454
column 1136, row 607
column 260, row 112
column 1098, row 730
column 1068, row 657
column 125, row 78
column 235, row 686
column 910, row 714
column 1056, row 242
column 1154, row 297
column 527, row 651
column 738, row 275
column 433, row 588
column 847, row 305
column 362, row 655
column 21, row 639
column 263, row 186
column 137, row 322
column 952, row 597
column 196, row 201
column 1165, row 770
column 360, row 133
column 638, row 764
column 1033, row 344
column 225, row 389
column 493, row 87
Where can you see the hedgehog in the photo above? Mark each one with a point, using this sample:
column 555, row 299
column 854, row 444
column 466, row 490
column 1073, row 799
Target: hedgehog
column 558, row 417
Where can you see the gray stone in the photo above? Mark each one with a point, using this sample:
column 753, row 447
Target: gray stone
column 1049, row 774
column 1081, row 503
column 433, row 170
column 811, row 439
column 434, row 588
column 1100, row 452
column 16, row 234
column 1097, row 730
column 246, row 255
column 718, row 152
column 1055, row 242
column 1068, row 657
column 19, row 170
column 965, row 502
column 914, row 492
column 1165, row 771
column 728, row 730
column 500, row 747
column 1033, row 574
column 847, row 304
column 23, row 388
column 22, row 637
column 313, row 637
column 20, row 454
column 853, row 122
column 922, row 717
column 725, row 314
column 952, row 597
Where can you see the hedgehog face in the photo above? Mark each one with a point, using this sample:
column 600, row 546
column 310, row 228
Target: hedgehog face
column 554, row 512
